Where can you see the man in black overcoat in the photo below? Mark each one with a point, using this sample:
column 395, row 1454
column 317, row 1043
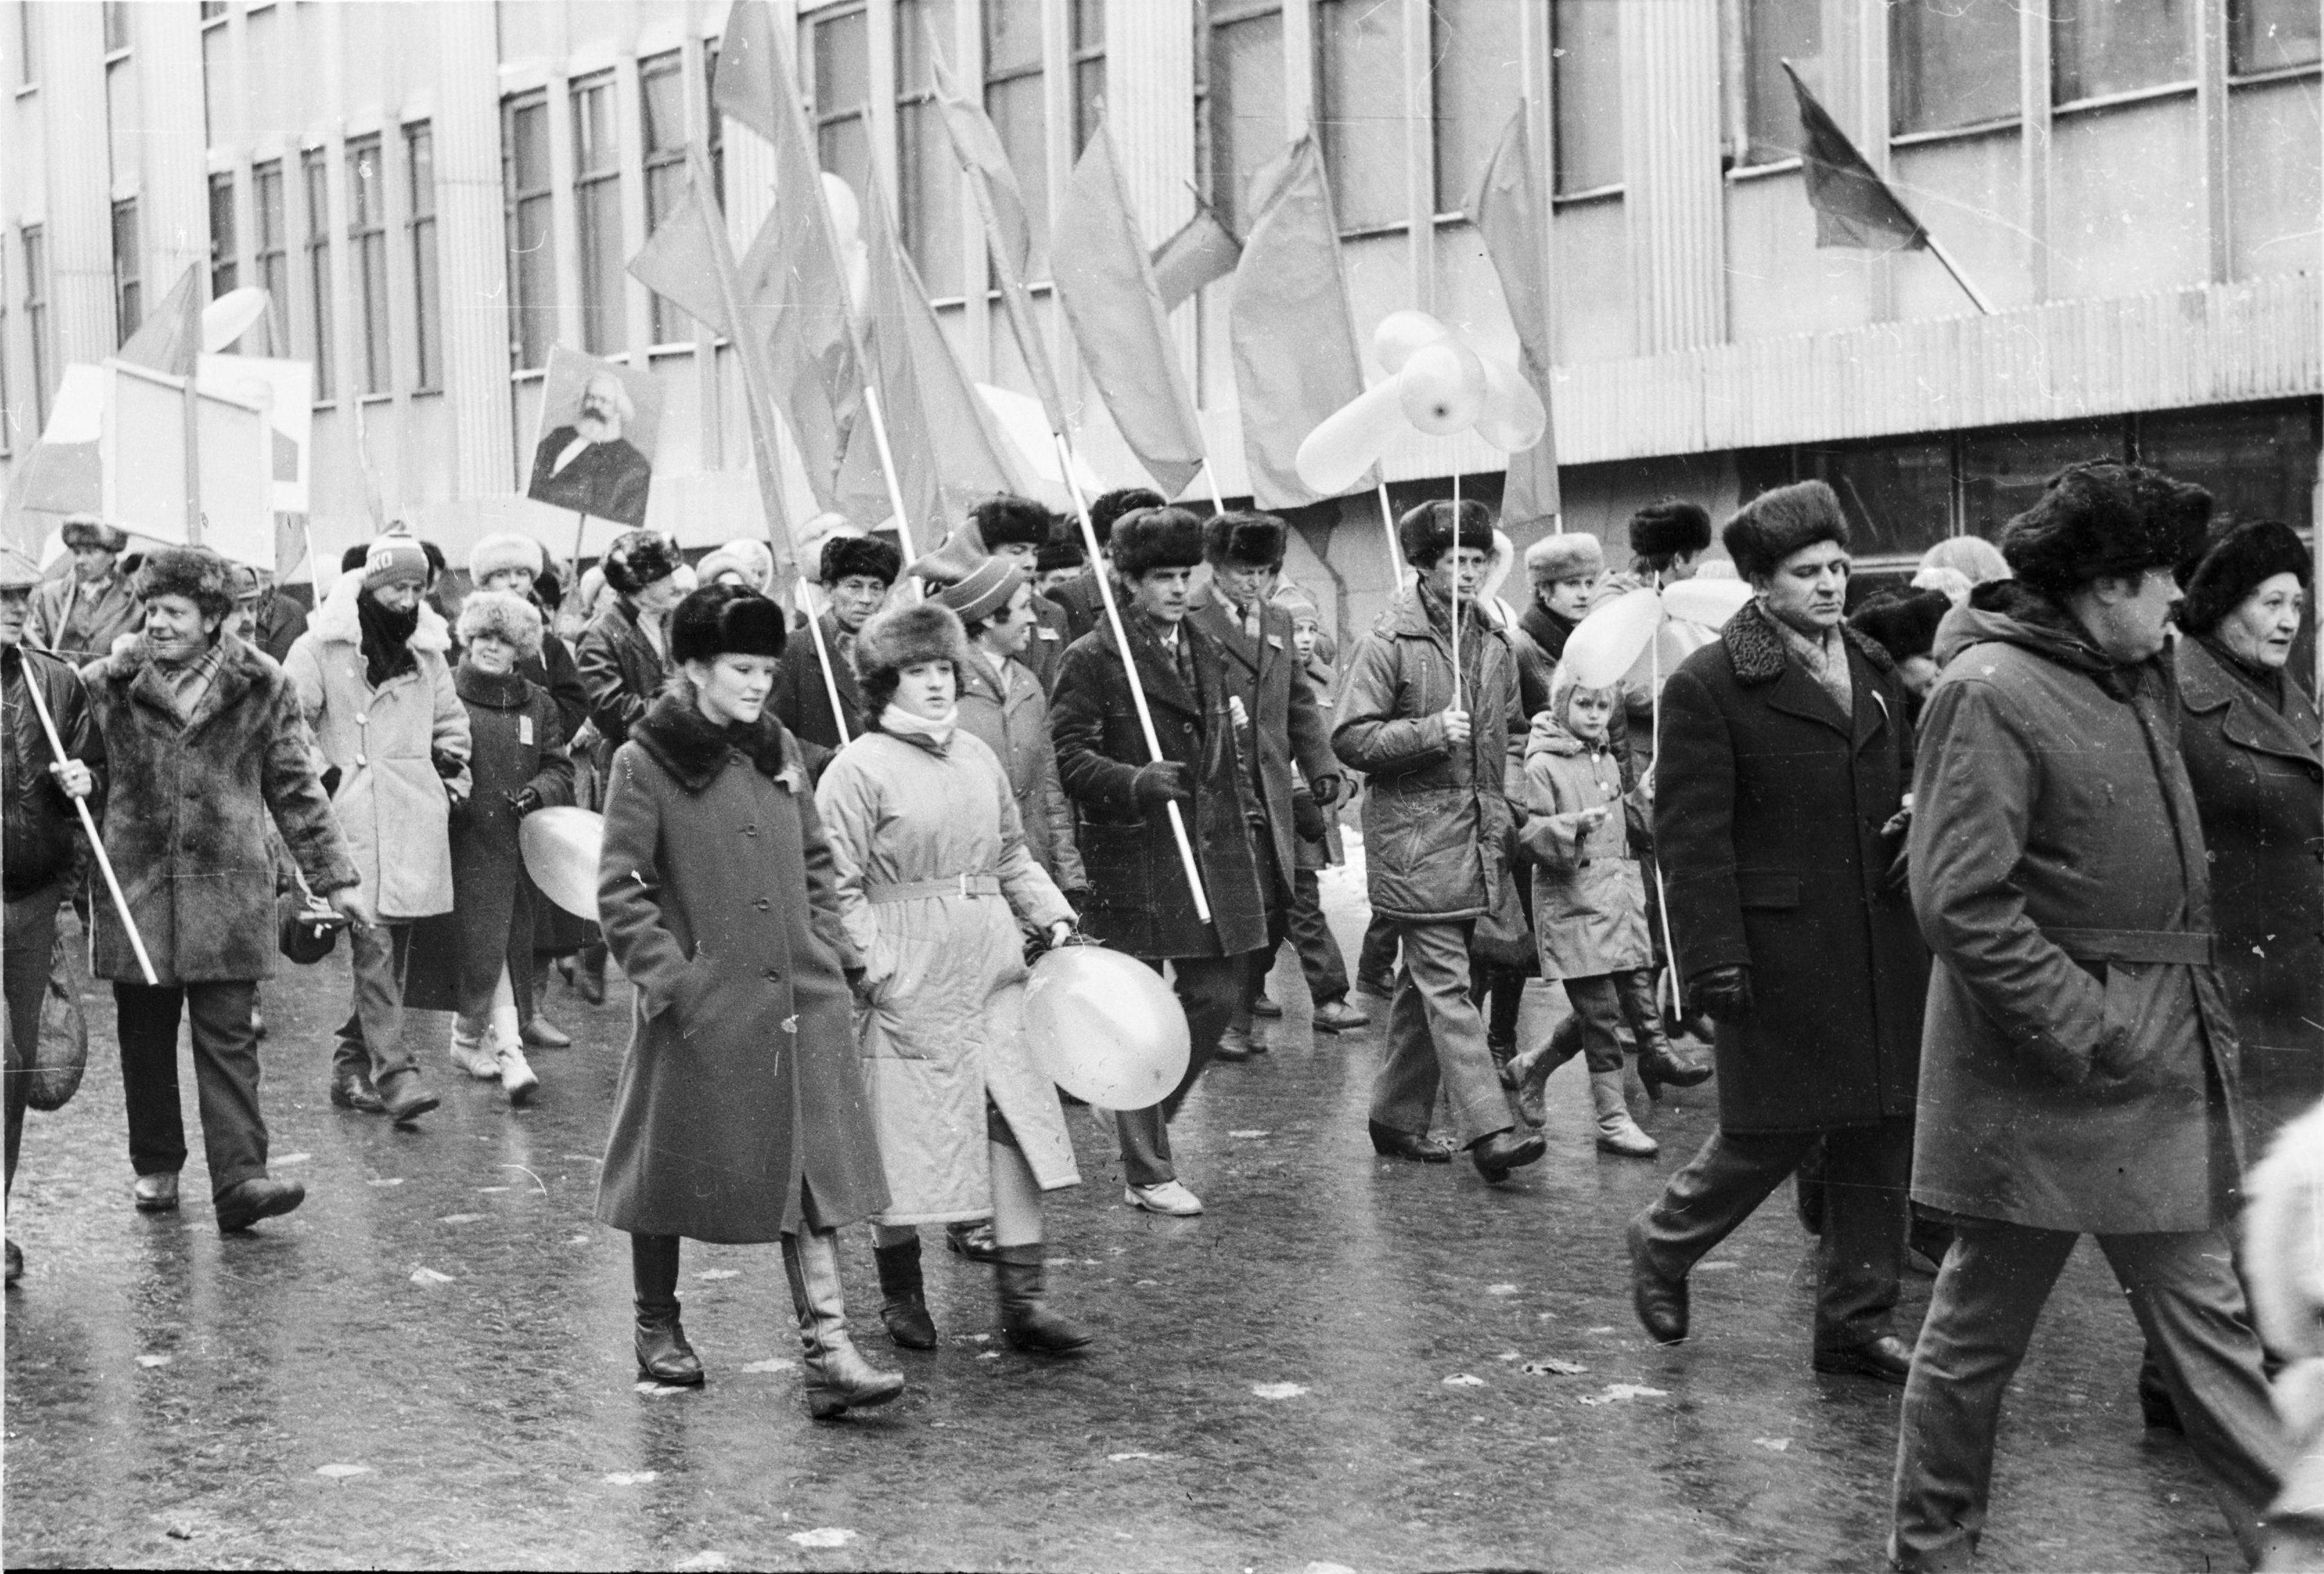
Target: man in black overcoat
column 857, row 574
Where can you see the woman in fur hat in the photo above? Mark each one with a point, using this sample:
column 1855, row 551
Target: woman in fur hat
column 739, row 1114
column 933, row 880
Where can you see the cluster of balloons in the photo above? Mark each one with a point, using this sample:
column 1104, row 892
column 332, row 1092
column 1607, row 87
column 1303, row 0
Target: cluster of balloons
column 1438, row 385
column 1650, row 627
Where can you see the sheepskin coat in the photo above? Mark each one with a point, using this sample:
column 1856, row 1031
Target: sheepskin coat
column 186, row 815
column 945, row 971
column 1002, row 702
column 391, row 801
column 1589, row 897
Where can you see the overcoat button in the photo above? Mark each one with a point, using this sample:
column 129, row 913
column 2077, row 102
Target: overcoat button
column 749, row 829
column 762, row 903
column 773, row 977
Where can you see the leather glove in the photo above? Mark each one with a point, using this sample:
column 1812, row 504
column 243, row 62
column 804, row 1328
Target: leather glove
column 1307, row 818
column 1895, row 841
column 523, row 801
column 1163, row 782
column 1723, row 994
column 330, row 781
column 1328, row 790
column 448, row 765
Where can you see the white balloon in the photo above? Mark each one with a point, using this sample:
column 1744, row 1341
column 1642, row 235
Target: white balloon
column 560, row 847
column 1708, row 601
column 1350, row 440
column 1400, row 332
column 230, row 316
column 1513, row 418
column 1603, row 645
column 847, row 213
column 1442, row 388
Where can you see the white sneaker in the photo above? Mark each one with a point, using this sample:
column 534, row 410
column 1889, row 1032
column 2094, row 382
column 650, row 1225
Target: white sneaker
column 1168, row 1197
column 517, row 1079
column 473, row 1054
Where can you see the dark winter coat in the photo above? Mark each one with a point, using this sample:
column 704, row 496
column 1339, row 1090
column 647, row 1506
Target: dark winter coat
column 519, row 742
column 620, row 670
column 555, row 670
column 1139, row 899
column 2072, row 1077
column 742, row 1081
column 40, row 833
column 1046, row 650
column 1540, row 643
column 2252, row 757
column 1768, row 810
column 187, row 810
column 282, row 619
column 801, row 703
column 1436, row 818
column 1287, row 724
column 1083, row 603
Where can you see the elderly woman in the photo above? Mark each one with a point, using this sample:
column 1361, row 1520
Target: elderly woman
column 933, row 880
column 745, row 562
column 739, row 1114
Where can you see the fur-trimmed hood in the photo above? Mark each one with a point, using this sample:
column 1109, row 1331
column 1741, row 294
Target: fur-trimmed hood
column 686, row 743
column 336, row 621
column 1756, row 646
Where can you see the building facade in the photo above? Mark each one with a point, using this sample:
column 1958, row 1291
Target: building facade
column 433, row 194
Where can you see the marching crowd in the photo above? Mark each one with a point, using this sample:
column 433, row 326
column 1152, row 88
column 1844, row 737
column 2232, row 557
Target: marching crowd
column 1999, row 906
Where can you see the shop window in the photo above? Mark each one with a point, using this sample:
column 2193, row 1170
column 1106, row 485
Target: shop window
column 1359, row 99
column 1773, row 31
column 2102, row 47
column 1586, row 89
column 1951, row 63
column 1239, row 100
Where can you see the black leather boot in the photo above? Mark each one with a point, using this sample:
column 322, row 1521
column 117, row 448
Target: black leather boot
column 1026, row 1321
column 838, row 1377
column 663, row 1355
column 903, row 1303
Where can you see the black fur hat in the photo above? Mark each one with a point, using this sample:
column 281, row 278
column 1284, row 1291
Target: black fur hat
column 724, row 619
column 1156, row 537
column 2104, row 517
column 2235, row 562
column 1670, row 527
column 1063, row 551
column 1254, row 539
column 637, row 558
column 196, row 573
column 1110, row 506
column 1902, row 623
column 846, row 556
column 1775, row 524
column 1425, row 532
column 1007, row 521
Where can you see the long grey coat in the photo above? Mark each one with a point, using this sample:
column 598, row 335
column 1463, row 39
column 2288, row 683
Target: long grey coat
column 1287, row 726
column 740, row 1087
column 946, row 973
column 1004, row 705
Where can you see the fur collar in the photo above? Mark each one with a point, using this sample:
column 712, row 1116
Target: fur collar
column 683, row 743
column 244, row 668
column 336, row 621
column 512, row 691
column 1758, row 653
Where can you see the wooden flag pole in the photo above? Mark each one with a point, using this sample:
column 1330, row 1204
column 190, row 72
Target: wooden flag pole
column 1388, row 526
column 887, row 457
column 1455, row 620
column 1937, row 249
column 1130, row 666
column 96, row 842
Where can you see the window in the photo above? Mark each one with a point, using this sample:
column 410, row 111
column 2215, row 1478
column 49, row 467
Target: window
column 316, row 170
column 532, row 268
column 2100, row 47
column 597, row 216
column 1586, row 97
column 128, row 300
column 927, row 176
column 1238, row 103
column 116, row 25
column 661, row 95
column 225, row 271
column 1951, row 63
column 213, row 10
column 1359, row 109
column 28, row 44
column 715, row 139
column 1013, row 97
column 1773, row 31
column 426, row 290
column 2264, row 35
column 367, row 249
column 2259, row 461
column 2003, row 472
column 837, row 60
column 1087, row 19
column 1898, row 496
column 36, row 319
column 1475, row 48
column 271, row 255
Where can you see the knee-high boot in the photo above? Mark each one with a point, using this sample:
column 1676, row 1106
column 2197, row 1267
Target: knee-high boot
column 663, row 1354
column 904, row 1302
column 837, row 1377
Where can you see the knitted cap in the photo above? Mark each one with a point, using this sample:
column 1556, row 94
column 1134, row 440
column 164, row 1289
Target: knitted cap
column 984, row 589
column 393, row 560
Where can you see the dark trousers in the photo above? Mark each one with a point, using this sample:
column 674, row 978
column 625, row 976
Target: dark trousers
column 1209, row 988
column 1258, row 965
column 31, row 935
column 1436, row 1036
column 1375, row 958
column 1310, row 934
column 2182, row 1289
column 1862, row 1254
column 371, row 1040
column 226, row 1074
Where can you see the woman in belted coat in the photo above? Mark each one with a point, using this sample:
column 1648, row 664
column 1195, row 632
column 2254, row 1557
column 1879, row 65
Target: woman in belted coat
column 2249, row 735
column 740, row 1115
column 933, row 878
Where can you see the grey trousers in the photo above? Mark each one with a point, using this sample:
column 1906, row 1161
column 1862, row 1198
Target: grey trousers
column 371, row 1040
column 2184, row 1290
column 1436, row 1034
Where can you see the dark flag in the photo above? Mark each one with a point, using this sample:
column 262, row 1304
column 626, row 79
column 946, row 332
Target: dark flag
column 1853, row 205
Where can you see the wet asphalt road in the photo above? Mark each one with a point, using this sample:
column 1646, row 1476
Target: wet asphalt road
column 428, row 1365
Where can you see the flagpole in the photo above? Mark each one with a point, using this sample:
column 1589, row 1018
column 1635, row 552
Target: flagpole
column 1388, row 526
column 1129, row 668
column 1937, row 249
column 96, row 842
column 887, row 458
column 1455, row 620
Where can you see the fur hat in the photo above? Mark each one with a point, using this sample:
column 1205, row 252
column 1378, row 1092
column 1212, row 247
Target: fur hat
column 1775, row 524
column 1156, row 537
column 1110, row 506
column 637, row 558
column 1574, row 554
column 498, row 553
column 1007, row 521
column 1670, row 527
column 504, row 616
column 905, row 637
column 1062, row 552
column 2104, row 517
column 2237, row 561
column 1254, row 541
column 844, row 556
column 196, row 573
column 1902, row 623
column 983, row 591
column 88, row 531
column 1425, row 532
column 1973, row 557
column 724, row 619
column 753, row 561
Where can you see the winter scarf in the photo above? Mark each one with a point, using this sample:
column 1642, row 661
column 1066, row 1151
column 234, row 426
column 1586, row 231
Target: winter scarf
column 1547, row 629
column 899, row 722
column 386, row 638
column 502, row 692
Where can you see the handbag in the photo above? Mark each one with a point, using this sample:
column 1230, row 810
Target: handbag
column 60, row 1054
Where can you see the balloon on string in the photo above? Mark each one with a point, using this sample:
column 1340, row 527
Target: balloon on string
column 1708, row 601
column 1513, row 418
column 560, row 847
column 1441, row 388
column 1437, row 384
column 1350, row 440
column 1400, row 332
column 1104, row 1028
column 1604, row 644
